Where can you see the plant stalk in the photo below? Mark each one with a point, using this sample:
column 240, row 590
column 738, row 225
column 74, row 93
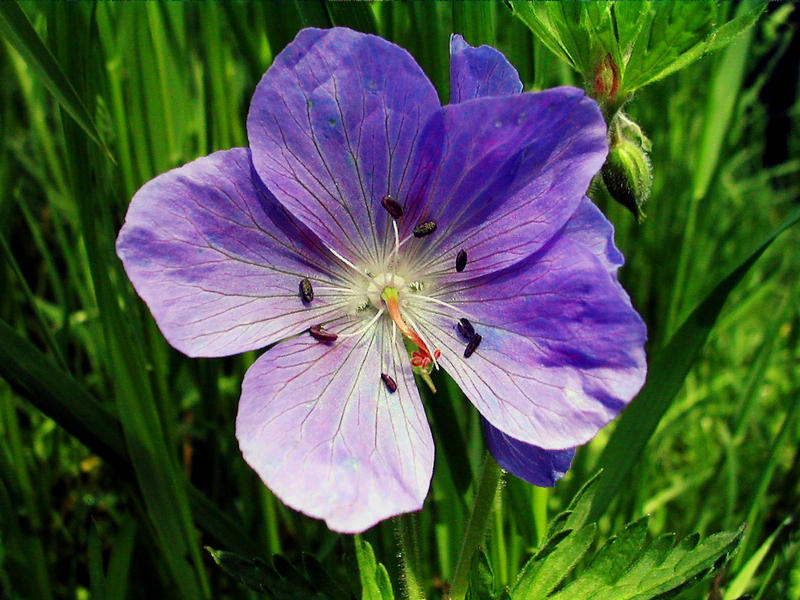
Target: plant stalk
column 489, row 481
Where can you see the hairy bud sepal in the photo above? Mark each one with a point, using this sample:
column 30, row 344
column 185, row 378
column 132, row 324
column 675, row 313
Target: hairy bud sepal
column 627, row 172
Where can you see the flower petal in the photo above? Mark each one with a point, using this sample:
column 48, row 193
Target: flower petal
column 562, row 349
column 218, row 261
column 589, row 227
column 331, row 127
column 526, row 461
column 505, row 174
column 322, row 430
column 478, row 72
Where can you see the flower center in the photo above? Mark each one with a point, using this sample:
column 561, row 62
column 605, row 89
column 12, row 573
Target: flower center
column 379, row 283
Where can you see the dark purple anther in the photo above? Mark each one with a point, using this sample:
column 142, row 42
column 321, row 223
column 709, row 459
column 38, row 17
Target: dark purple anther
column 461, row 260
column 392, row 206
column 425, row 228
column 306, row 291
column 466, row 329
column 390, row 383
column 473, row 344
column 321, row 334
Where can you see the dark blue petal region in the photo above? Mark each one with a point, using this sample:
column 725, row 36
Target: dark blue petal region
column 479, row 72
column 526, row 461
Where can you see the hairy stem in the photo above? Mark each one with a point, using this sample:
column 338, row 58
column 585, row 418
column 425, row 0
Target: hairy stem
column 408, row 539
column 489, row 482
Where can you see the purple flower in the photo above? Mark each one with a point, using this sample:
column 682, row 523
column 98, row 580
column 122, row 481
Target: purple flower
column 366, row 221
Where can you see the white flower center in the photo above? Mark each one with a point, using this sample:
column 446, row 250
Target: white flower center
column 379, row 282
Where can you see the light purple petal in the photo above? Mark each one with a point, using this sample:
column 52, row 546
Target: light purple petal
column 219, row 262
column 478, row 72
column 591, row 229
column 531, row 463
column 500, row 176
column 319, row 426
column 562, row 350
column 331, row 127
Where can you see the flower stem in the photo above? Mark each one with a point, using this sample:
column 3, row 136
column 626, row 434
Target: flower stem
column 408, row 540
column 489, row 482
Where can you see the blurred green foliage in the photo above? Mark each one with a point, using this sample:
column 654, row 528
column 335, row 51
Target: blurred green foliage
column 119, row 92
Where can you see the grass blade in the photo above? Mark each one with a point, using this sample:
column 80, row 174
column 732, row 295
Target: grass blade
column 34, row 376
column 665, row 379
column 18, row 31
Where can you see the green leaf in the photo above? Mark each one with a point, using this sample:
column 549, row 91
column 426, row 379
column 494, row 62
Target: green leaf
column 716, row 39
column 566, row 28
column 666, row 374
column 481, row 577
column 551, row 565
column 20, row 34
column 375, row 583
column 626, row 568
column 252, row 573
column 646, row 40
column 283, row 580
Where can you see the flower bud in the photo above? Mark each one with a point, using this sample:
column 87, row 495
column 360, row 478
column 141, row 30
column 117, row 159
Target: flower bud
column 627, row 172
column 605, row 83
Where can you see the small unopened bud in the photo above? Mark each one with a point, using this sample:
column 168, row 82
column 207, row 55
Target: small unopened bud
column 606, row 80
column 627, row 172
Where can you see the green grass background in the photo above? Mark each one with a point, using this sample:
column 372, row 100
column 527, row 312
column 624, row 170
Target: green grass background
column 118, row 460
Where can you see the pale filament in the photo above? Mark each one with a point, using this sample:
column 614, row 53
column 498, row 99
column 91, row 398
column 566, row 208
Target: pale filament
column 349, row 264
column 365, row 327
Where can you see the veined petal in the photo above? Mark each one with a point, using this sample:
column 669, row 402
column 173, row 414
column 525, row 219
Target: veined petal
column 219, row 262
column 506, row 174
column 331, row 127
column 323, row 431
column 526, row 461
column 480, row 71
column 589, row 227
column 562, row 349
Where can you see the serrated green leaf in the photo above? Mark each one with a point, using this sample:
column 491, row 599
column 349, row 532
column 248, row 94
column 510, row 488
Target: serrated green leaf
column 556, row 25
column 248, row 572
column 481, row 577
column 375, row 583
column 624, row 569
column 647, row 40
column 547, row 569
column 716, row 39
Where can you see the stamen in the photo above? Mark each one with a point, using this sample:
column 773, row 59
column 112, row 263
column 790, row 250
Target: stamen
column 434, row 300
column 424, row 228
column 367, row 326
column 306, row 291
column 321, row 334
column 461, row 260
column 392, row 206
column 390, row 383
column 396, row 248
column 473, row 344
column 349, row 264
column 466, row 329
